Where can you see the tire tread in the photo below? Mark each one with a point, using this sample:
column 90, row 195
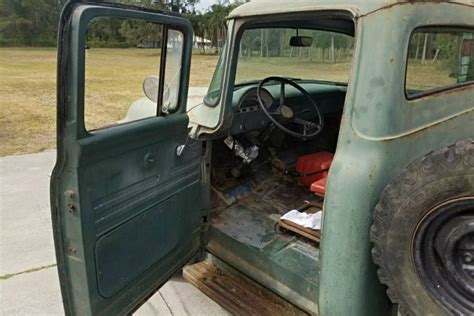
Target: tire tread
column 457, row 158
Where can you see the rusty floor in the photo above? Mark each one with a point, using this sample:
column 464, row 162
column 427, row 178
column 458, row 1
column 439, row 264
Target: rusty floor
column 244, row 235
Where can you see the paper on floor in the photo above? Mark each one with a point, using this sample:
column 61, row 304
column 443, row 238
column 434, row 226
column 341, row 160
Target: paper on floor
column 312, row 221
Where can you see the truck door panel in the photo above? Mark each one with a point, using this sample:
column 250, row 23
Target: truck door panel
column 126, row 207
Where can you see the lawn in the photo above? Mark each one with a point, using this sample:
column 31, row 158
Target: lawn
column 114, row 80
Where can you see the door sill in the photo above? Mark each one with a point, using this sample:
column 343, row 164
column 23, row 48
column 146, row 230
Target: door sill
column 235, row 292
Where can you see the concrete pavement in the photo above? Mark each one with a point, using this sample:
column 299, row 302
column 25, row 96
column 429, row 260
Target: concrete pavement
column 28, row 277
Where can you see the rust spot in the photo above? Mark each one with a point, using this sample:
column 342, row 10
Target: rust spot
column 392, row 60
column 70, row 194
column 247, row 297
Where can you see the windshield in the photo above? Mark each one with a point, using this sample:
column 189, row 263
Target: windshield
column 265, row 52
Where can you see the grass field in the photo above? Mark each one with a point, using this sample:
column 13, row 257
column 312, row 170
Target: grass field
column 114, row 80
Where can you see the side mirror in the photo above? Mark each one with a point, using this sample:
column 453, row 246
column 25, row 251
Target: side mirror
column 150, row 88
column 301, row 41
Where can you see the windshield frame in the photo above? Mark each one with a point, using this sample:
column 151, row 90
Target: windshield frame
column 231, row 48
column 217, row 75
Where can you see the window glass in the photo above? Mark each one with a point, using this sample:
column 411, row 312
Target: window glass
column 267, row 52
column 174, row 55
column 122, row 70
column 438, row 58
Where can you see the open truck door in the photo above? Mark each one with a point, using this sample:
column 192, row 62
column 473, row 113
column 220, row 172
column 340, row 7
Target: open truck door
column 126, row 199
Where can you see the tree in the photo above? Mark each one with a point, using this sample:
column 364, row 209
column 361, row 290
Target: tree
column 29, row 22
column 34, row 22
column 216, row 22
column 141, row 33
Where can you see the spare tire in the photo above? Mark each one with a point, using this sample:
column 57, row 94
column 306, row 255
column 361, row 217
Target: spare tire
column 423, row 234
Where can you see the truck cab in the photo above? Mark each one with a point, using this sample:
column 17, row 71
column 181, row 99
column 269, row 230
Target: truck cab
column 361, row 111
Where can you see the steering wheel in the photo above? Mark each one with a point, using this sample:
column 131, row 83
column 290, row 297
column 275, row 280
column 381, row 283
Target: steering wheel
column 285, row 114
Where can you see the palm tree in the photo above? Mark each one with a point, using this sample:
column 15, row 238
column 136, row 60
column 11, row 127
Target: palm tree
column 217, row 21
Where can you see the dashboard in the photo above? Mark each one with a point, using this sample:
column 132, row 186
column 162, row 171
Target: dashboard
column 248, row 114
column 249, row 101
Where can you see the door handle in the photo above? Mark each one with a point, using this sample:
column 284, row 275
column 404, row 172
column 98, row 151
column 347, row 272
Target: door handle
column 149, row 160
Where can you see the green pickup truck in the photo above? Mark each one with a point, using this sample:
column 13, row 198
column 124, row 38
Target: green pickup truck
column 361, row 111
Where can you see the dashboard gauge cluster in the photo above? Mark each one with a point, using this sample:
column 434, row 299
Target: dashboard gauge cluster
column 249, row 102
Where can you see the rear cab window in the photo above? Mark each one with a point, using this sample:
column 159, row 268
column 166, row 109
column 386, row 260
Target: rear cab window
column 439, row 58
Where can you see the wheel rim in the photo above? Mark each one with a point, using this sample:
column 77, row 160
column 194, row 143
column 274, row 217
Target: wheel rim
column 443, row 250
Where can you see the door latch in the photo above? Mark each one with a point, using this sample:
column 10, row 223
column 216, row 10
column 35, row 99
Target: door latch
column 180, row 148
column 149, row 160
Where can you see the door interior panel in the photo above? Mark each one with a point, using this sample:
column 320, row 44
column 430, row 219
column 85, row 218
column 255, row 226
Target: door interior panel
column 135, row 201
column 145, row 235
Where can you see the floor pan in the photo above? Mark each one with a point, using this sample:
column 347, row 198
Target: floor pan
column 244, row 235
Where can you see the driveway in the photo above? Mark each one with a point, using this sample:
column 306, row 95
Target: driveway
column 28, row 277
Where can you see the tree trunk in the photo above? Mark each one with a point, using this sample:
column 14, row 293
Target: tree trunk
column 333, row 55
column 425, row 44
column 266, row 43
column 435, row 56
column 417, row 52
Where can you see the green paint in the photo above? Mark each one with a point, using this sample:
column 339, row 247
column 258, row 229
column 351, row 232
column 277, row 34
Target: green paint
column 126, row 209
column 117, row 195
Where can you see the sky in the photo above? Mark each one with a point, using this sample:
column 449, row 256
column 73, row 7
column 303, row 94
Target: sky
column 203, row 5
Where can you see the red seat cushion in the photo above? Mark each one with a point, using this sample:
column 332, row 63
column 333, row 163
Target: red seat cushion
column 319, row 187
column 314, row 165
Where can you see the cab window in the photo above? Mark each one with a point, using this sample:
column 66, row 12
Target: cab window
column 439, row 58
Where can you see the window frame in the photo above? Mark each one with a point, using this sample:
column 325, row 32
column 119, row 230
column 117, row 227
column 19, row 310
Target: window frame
column 317, row 29
column 439, row 90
